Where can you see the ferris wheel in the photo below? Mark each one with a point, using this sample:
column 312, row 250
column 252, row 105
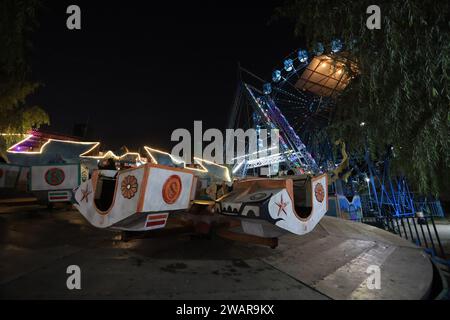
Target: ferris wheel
column 299, row 100
column 305, row 88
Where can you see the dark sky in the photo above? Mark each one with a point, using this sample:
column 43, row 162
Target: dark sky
column 138, row 70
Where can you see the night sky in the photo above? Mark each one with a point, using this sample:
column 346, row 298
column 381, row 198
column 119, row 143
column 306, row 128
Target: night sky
column 138, row 70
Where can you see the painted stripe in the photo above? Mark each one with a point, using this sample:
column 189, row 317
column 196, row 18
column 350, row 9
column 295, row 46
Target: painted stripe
column 140, row 207
column 155, row 223
column 154, row 217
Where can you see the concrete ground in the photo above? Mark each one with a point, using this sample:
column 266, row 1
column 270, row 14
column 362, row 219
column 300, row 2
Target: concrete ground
column 37, row 246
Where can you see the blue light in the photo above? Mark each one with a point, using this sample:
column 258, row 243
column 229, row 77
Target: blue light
column 267, row 88
column 276, row 75
column 336, row 45
column 351, row 44
column 302, row 55
column 319, row 49
column 288, row 65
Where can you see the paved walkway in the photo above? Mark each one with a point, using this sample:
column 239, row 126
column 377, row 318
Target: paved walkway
column 37, row 246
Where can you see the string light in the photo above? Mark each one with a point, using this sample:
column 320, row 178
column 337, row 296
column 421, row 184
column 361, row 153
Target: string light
column 41, row 150
column 177, row 160
column 12, row 134
column 172, row 157
column 200, row 161
column 108, row 154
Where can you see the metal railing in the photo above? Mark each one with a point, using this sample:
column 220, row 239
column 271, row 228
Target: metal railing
column 420, row 229
column 431, row 206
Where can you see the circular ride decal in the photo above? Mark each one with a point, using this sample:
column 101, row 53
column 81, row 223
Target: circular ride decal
column 54, row 176
column 129, row 187
column 319, row 192
column 172, row 189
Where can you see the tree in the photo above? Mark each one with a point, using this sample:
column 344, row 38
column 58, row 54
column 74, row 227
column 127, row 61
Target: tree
column 402, row 90
column 17, row 20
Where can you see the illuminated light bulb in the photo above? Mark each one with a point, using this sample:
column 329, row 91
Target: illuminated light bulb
column 276, row 75
column 267, row 88
column 336, row 45
column 288, row 65
column 303, row 55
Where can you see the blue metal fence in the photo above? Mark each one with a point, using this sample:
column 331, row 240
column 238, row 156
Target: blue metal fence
column 401, row 207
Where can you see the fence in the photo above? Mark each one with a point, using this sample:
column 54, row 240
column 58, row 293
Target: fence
column 420, row 229
column 402, row 208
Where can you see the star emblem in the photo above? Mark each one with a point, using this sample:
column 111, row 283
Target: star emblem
column 86, row 194
column 281, row 206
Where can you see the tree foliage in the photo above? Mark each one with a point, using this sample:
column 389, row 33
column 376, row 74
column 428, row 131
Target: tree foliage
column 402, row 91
column 17, row 19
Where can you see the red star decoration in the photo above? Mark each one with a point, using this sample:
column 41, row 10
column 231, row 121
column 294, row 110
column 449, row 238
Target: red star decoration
column 86, row 194
column 281, row 206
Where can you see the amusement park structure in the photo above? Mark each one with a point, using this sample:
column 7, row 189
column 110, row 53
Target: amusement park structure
column 283, row 190
column 299, row 101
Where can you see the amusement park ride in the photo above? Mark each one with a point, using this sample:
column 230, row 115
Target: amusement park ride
column 256, row 200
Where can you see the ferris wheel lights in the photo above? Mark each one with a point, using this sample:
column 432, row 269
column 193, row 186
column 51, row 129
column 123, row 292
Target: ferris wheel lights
column 288, row 65
column 276, row 75
column 336, row 45
column 302, row 55
column 267, row 88
column 319, row 49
